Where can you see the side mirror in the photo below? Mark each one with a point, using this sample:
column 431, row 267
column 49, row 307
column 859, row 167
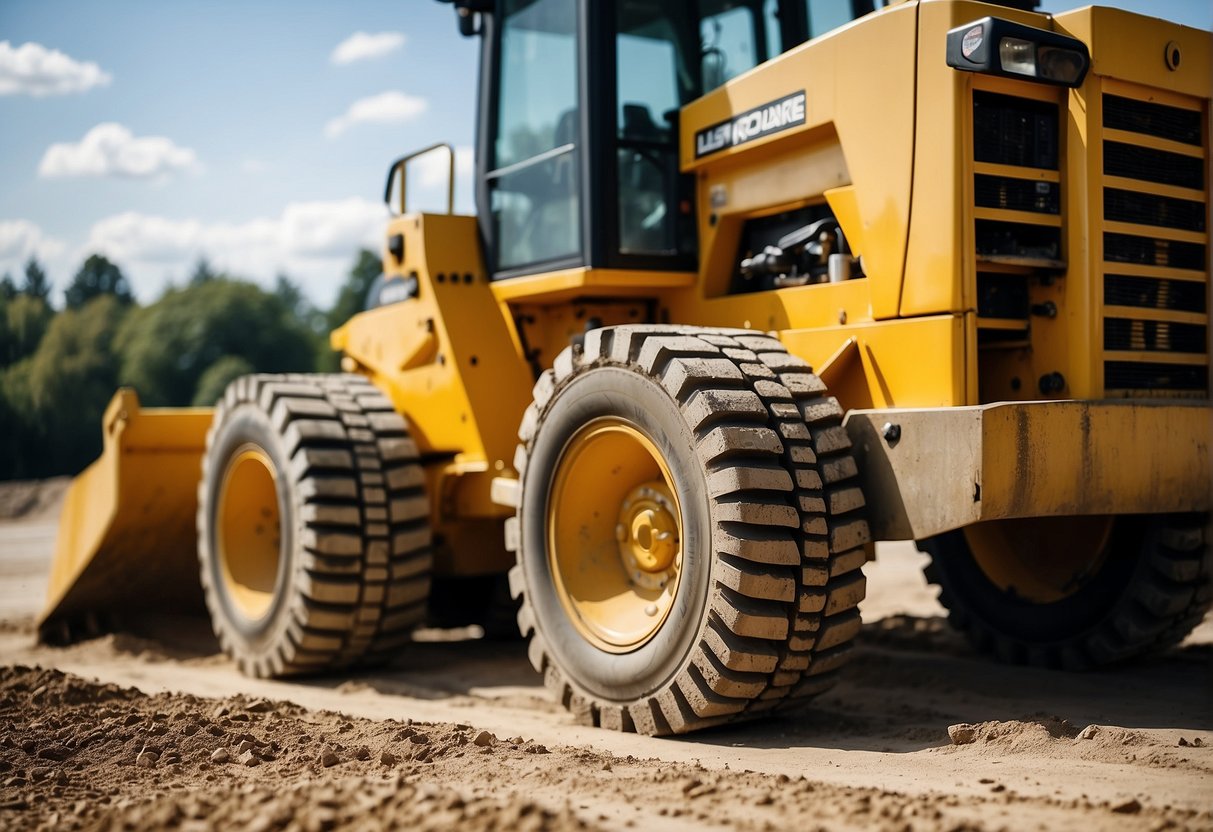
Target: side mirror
column 469, row 22
column 470, row 13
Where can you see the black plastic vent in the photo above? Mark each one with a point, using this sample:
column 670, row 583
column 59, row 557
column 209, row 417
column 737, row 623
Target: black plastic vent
column 1150, row 165
column 1150, row 293
column 1002, row 295
column 1151, row 209
column 1172, row 123
column 1148, row 375
column 1148, row 251
column 1159, row 336
column 1013, row 239
column 1014, row 131
column 1016, row 194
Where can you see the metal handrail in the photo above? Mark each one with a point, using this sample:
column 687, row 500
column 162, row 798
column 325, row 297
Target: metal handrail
column 401, row 165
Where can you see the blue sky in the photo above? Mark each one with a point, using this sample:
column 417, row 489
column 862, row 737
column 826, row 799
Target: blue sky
column 228, row 129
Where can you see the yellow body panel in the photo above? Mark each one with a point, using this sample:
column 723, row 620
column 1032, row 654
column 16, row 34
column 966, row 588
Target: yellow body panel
column 451, row 362
column 126, row 535
column 583, row 282
column 845, row 140
column 912, row 363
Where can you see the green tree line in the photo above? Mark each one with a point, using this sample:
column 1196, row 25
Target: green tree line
column 60, row 367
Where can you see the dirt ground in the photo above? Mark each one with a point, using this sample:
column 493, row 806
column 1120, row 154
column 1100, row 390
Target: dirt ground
column 127, row 731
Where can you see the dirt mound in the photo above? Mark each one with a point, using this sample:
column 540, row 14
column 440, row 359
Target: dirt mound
column 78, row 745
column 82, row 755
column 1029, row 734
column 44, row 688
column 32, row 500
column 1048, row 735
column 354, row 803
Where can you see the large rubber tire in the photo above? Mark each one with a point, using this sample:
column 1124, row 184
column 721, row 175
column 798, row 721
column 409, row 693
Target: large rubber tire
column 353, row 558
column 772, row 528
column 1152, row 589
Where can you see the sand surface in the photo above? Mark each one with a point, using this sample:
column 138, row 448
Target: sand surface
column 1130, row 748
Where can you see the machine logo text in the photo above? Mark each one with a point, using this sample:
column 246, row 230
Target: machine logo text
column 752, row 124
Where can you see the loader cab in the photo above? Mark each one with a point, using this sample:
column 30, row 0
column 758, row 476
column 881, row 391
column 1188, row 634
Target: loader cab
column 577, row 139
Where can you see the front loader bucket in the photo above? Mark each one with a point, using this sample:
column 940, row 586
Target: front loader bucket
column 126, row 542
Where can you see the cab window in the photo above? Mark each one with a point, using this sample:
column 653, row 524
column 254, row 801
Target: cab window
column 534, row 182
column 655, row 76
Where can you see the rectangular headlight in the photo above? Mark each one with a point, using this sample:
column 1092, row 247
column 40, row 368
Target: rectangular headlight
column 999, row 47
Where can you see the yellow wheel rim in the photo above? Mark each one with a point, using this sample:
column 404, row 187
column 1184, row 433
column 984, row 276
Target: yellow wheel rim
column 249, row 533
column 1042, row 559
column 614, row 535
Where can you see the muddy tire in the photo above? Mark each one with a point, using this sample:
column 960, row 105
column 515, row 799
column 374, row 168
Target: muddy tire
column 1151, row 588
column 717, row 578
column 313, row 531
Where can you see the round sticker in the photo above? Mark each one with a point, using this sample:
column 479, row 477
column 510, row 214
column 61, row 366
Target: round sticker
column 971, row 41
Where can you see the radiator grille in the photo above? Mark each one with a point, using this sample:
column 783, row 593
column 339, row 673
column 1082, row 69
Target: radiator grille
column 1150, row 119
column 1152, row 209
column 1009, row 193
column 1155, row 249
column 1144, row 377
column 1160, row 336
column 1148, row 164
column 1014, row 131
column 1155, row 293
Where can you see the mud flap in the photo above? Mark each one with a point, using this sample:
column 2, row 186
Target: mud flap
column 127, row 543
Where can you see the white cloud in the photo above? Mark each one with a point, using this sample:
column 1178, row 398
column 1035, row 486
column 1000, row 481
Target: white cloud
column 112, row 150
column 362, row 46
column 313, row 242
column 32, row 69
column 385, row 108
column 21, row 239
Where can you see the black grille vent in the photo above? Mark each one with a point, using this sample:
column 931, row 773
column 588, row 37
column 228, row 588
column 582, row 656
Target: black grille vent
column 1014, row 131
column 1016, row 194
column 1151, row 119
column 1019, row 240
column 1148, row 211
column 1002, row 295
column 1150, row 165
column 1159, row 336
column 1151, row 293
column 1151, row 209
column 1134, row 375
column 1146, row 251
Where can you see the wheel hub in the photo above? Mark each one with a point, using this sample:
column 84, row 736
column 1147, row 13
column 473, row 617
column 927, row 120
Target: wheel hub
column 648, row 535
column 249, row 532
column 614, row 535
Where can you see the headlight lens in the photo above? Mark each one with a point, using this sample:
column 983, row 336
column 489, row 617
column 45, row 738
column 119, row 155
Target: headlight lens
column 1063, row 66
column 1018, row 56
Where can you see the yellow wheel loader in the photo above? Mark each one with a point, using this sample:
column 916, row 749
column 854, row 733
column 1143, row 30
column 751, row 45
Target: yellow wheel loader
column 753, row 284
